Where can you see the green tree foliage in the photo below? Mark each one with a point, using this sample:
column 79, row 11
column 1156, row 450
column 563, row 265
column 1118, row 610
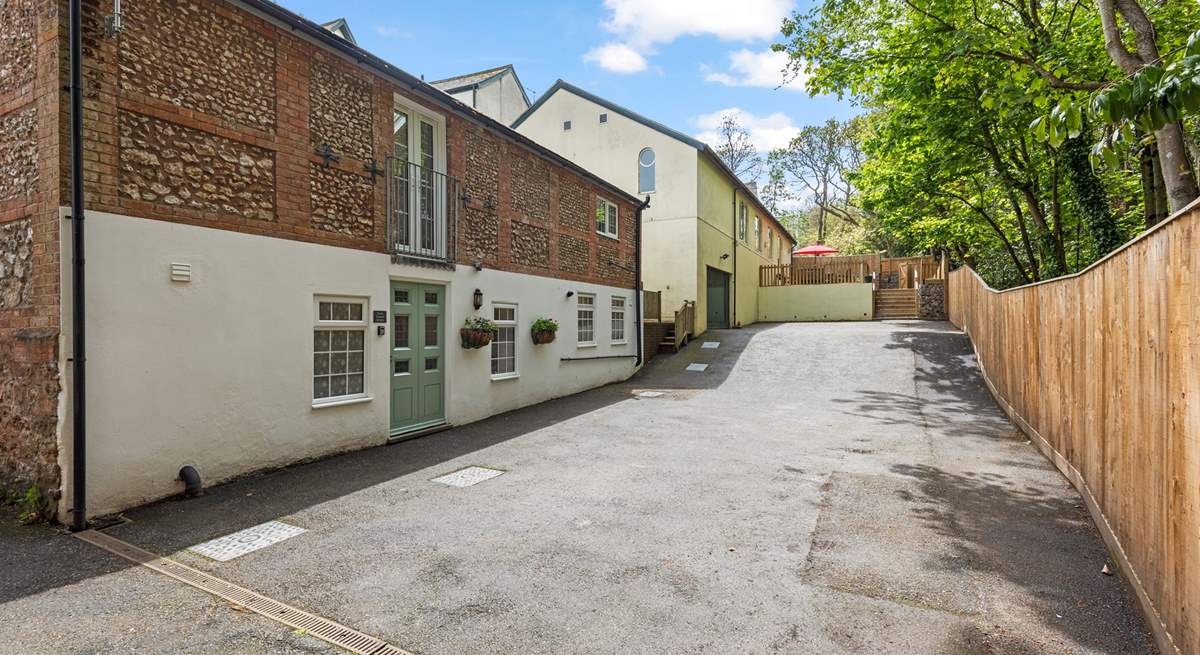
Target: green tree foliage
column 949, row 159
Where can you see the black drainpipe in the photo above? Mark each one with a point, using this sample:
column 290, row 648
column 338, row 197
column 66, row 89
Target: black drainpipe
column 78, row 379
column 637, row 277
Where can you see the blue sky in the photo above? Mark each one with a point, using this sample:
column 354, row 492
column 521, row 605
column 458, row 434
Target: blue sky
column 681, row 62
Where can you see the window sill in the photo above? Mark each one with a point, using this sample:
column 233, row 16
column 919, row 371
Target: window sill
column 586, row 345
column 620, row 343
column 610, row 236
column 505, row 376
column 341, row 402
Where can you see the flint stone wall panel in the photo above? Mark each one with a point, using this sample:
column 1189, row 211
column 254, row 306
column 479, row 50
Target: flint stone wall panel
column 342, row 202
column 190, row 56
column 339, row 110
column 181, row 167
column 18, row 154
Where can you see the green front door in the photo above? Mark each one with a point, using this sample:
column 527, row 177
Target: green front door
column 718, row 298
column 418, row 356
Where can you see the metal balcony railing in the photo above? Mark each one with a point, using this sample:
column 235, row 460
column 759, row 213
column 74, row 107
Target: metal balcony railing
column 422, row 211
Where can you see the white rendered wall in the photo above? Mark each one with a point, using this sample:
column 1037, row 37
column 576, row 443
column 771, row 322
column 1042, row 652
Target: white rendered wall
column 501, row 99
column 216, row 372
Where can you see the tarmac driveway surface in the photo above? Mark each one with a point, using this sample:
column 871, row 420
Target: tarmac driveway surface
column 820, row 488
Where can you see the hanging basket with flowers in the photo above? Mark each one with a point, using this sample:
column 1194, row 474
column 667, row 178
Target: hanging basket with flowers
column 544, row 330
column 477, row 332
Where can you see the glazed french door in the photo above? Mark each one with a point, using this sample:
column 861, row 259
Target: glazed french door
column 418, row 356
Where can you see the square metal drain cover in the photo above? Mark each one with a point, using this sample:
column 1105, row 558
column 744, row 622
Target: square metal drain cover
column 697, row 367
column 245, row 541
column 468, row 476
column 710, row 345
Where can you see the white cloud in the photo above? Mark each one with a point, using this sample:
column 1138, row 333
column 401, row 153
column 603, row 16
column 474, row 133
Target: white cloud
column 766, row 132
column 749, row 68
column 640, row 25
column 389, row 32
column 616, row 58
column 643, row 23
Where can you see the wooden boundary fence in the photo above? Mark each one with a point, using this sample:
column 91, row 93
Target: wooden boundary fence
column 1102, row 370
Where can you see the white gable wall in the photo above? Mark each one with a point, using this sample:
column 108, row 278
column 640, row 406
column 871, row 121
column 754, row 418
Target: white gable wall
column 501, row 98
column 611, row 150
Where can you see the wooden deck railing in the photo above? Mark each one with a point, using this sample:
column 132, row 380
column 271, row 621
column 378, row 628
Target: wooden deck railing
column 910, row 271
column 1102, row 370
column 685, row 323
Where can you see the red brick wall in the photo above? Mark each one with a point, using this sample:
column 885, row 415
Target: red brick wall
column 29, row 245
column 655, row 332
column 202, row 113
column 542, row 217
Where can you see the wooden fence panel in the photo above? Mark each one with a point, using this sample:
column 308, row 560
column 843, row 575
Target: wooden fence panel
column 1102, row 369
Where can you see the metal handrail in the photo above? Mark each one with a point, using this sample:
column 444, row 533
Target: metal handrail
column 422, row 212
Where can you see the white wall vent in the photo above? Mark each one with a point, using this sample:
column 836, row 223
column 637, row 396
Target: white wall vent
column 181, row 272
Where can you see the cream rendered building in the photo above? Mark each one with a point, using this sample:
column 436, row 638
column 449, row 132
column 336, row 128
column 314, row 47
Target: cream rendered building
column 496, row 92
column 705, row 233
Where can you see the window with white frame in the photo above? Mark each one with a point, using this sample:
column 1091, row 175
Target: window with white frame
column 742, row 222
column 770, row 243
column 586, row 319
column 606, row 217
column 504, row 345
column 618, row 319
column 339, row 348
column 757, row 233
column 646, row 162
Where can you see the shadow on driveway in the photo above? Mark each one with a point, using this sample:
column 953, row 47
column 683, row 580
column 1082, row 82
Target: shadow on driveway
column 38, row 558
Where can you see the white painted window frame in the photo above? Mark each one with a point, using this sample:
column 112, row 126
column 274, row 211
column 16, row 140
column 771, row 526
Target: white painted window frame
column 610, row 220
column 618, row 305
column 332, row 325
column 516, row 372
column 582, row 308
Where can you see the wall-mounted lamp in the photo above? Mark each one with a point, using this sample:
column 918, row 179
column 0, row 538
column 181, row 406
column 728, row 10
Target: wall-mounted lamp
column 466, row 198
column 490, row 203
column 725, row 256
column 478, row 264
column 570, row 293
column 478, row 299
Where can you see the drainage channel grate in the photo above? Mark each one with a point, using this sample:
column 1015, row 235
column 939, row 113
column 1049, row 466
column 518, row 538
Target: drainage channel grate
column 322, row 628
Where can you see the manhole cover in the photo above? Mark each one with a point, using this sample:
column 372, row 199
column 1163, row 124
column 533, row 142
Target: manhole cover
column 697, row 367
column 468, row 476
column 245, row 541
column 711, row 345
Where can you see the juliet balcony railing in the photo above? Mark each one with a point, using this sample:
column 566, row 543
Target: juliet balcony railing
column 422, row 210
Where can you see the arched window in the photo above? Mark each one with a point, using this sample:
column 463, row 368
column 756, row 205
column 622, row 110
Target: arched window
column 646, row 170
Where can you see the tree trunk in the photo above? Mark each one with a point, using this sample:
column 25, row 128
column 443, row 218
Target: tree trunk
column 1034, row 264
column 1178, row 177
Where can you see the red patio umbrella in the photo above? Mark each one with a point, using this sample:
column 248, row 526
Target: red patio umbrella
column 815, row 249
